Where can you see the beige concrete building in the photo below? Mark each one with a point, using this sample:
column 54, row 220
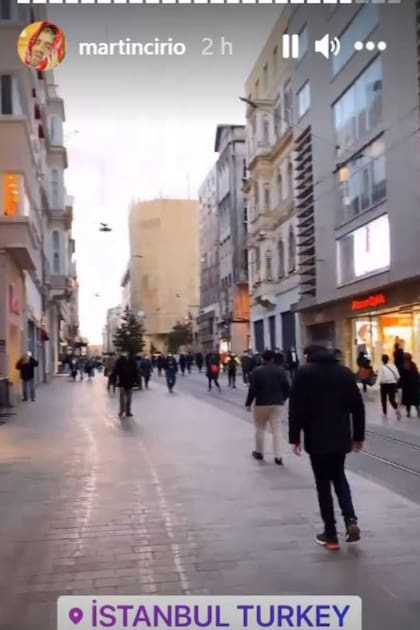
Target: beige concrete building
column 36, row 248
column 164, row 264
column 269, row 187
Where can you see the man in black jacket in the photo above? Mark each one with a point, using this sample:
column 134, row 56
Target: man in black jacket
column 126, row 374
column 269, row 388
column 326, row 404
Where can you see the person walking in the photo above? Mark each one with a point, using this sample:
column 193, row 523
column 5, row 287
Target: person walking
column 89, row 368
column 81, row 368
column 160, row 363
column 73, row 370
column 213, row 371
column 190, row 361
column 292, row 362
column 26, row 366
column 246, row 365
column 327, row 406
column 146, row 369
column 399, row 354
column 410, row 385
column 388, row 378
column 171, row 369
column 278, row 357
column 365, row 370
column 126, row 377
column 199, row 361
column 182, row 363
column 232, row 365
column 269, row 388
column 109, row 371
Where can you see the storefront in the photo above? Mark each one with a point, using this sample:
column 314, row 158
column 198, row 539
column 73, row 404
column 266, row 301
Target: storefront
column 369, row 323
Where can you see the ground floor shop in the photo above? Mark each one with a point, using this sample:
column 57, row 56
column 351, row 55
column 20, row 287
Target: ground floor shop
column 369, row 323
column 12, row 320
column 276, row 327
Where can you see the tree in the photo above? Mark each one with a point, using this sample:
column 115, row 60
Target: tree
column 129, row 336
column 180, row 335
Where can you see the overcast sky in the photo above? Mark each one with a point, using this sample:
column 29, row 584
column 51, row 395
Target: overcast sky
column 146, row 125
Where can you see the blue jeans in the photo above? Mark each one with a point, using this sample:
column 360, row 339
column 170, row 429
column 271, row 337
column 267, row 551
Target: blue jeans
column 170, row 379
column 28, row 389
column 329, row 469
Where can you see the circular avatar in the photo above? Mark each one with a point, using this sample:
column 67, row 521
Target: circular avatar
column 42, row 46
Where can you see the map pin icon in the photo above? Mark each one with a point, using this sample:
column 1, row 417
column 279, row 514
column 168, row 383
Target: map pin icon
column 76, row 615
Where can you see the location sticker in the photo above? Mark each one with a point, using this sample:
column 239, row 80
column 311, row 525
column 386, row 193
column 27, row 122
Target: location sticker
column 76, row 615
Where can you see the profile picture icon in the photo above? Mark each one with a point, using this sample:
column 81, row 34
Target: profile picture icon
column 42, row 46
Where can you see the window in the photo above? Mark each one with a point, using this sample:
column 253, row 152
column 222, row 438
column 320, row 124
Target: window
column 56, row 251
column 266, row 130
column 281, row 267
column 359, row 111
column 269, row 265
column 277, row 117
column 5, row 9
column 358, row 30
column 363, row 181
column 304, row 99
column 56, row 132
column 6, row 104
column 303, row 42
column 257, row 264
column 279, row 186
column 364, row 251
column 256, row 198
column 292, row 251
column 265, row 76
column 55, row 189
column 290, row 179
column 275, row 60
column 267, row 198
column 287, row 104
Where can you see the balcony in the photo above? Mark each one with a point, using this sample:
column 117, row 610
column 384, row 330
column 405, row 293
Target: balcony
column 258, row 151
column 60, row 286
column 283, row 211
column 64, row 217
column 264, row 222
column 264, row 293
column 16, row 239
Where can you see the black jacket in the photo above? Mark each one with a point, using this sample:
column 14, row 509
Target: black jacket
column 326, row 404
column 27, row 370
column 126, row 373
column 269, row 385
column 170, row 366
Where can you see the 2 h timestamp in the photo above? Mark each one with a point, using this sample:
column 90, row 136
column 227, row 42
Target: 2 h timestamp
column 216, row 46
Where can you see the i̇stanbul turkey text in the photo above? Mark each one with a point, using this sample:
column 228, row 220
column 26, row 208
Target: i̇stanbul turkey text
column 209, row 315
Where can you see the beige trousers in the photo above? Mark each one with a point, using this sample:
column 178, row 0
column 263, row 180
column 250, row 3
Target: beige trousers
column 264, row 415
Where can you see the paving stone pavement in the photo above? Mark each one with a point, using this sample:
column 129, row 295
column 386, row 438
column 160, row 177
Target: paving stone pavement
column 170, row 502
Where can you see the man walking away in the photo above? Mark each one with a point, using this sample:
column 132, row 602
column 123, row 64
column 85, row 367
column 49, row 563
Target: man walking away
column 278, row 357
column 126, row 375
column 269, row 388
column 182, row 363
column 199, row 361
column 388, row 377
column 190, row 361
column 326, row 404
column 146, row 369
column 160, row 362
column 232, row 364
column 171, row 369
column 109, row 371
column 26, row 366
column 410, row 385
column 292, row 362
column 246, row 363
column 213, row 371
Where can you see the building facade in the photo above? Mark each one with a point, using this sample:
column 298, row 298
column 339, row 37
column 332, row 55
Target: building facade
column 164, row 265
column 357, row 155
column 209, row 264
column 233, row 324
column 33, row 288
column 113, row 320
column 269, row 190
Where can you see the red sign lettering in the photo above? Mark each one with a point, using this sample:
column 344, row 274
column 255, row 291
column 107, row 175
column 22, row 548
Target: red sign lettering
column 372, row 301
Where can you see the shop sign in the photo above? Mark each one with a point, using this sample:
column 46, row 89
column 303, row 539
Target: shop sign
column 373, row 301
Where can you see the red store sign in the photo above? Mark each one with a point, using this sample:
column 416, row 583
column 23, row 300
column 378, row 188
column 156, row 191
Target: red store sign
column 372, row 301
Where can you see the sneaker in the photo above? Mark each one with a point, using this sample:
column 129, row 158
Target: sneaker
column 278, row 461
column 329, row 542
column 257, row 455
column 352, row 531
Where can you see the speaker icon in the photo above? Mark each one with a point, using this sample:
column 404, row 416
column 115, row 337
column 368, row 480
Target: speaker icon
column 328, row 46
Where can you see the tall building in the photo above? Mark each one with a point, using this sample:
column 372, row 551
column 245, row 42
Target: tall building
column 164, row 265
column 209, row 264
column 35, row 224
column 233, row 324
column 357, row 159
column 269, row 188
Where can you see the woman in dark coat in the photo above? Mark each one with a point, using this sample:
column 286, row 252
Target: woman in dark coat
column 410, row 385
